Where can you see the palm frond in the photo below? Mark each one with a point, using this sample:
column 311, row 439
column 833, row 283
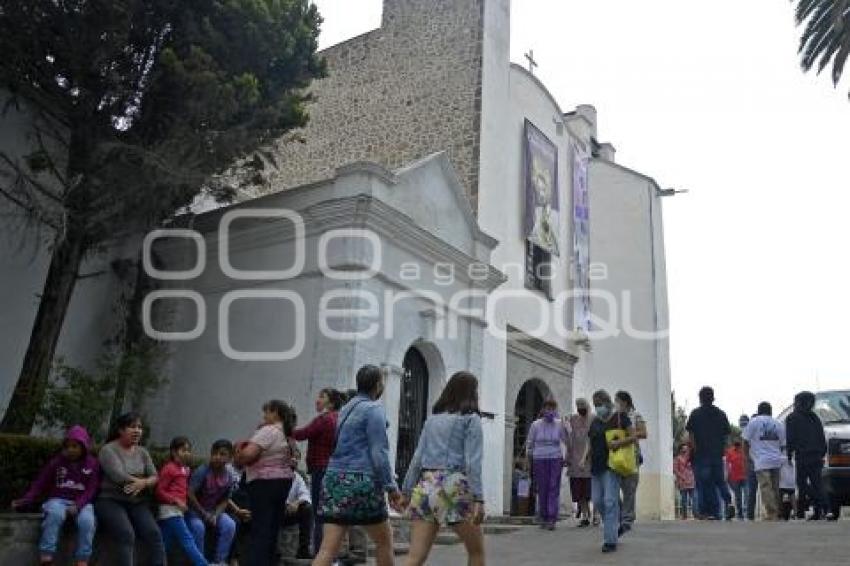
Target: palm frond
column 825, row 37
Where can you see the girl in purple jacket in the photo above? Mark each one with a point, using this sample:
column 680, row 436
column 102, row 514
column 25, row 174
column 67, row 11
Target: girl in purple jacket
column 67, row 485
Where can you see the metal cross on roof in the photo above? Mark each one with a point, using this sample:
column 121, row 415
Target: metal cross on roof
column 531, row 62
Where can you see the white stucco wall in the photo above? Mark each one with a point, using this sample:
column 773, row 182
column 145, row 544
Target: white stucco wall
column 420, row 218
column 511, row 96
column 627, row 237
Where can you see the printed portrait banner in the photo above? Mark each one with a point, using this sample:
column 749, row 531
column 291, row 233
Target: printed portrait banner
column 581, row 239
column 542, row 206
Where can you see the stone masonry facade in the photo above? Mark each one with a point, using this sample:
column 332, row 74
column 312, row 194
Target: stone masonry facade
column 396, row 94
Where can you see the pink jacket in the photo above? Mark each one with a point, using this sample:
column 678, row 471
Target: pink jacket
column 683, row 472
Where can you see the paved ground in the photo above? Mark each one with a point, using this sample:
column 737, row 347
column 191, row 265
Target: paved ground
column 671, row 543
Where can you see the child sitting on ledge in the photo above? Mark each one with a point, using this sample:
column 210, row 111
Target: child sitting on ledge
column 67, row 485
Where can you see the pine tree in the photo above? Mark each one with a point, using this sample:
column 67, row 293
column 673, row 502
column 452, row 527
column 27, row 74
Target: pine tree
column 134, row 106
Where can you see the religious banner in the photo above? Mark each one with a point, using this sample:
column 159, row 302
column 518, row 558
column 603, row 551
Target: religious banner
column 542, row 207
column 581, row 239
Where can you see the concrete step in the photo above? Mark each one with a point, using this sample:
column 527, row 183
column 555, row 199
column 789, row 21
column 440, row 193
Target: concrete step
column 510, row 520
column 500, row 529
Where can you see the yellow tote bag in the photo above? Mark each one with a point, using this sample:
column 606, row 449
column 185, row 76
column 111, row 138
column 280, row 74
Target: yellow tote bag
column 623, row 461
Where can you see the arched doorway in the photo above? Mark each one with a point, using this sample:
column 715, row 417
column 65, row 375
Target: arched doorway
column 413, row 408
column 529, row 403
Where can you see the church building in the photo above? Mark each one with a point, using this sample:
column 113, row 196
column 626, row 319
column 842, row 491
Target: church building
column 436, row 76
column 440, row 212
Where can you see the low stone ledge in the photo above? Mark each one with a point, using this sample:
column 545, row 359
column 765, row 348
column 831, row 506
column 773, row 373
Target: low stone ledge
column 19, row 534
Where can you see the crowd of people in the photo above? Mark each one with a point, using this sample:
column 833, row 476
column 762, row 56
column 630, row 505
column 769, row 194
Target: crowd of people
column 253, row 486
column 587, row 444
column 720, row 474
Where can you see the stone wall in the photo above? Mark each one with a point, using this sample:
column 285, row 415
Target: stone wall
column 19, row 534
column 397, row 94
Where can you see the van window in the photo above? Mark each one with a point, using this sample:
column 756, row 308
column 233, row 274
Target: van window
column 833, row 407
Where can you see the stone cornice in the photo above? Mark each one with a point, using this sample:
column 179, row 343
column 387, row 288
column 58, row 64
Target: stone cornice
column 539, row 352
column 357, row 211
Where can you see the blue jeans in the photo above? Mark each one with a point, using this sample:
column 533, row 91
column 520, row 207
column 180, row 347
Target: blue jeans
column 686, row 501
column 605, row 490
column 55, row 512
column 711, row 483
column 316, row 477
column 175, row 528
column 225, row 531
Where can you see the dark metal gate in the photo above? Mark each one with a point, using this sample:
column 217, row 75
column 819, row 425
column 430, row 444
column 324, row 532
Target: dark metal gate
column 527, row 408
column 413, row 408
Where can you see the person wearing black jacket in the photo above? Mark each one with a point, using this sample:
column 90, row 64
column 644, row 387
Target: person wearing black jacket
column 807, row 444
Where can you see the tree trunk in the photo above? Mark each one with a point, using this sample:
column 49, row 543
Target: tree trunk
column 30, row 389
column 133, row 335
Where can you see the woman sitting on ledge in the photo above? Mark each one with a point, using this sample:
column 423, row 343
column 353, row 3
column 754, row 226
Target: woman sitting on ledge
column 123, row 506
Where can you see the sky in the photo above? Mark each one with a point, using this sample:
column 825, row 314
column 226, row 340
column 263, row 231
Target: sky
column 710, row 97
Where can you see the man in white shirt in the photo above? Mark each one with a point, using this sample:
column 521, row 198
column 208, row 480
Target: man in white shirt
column 298, row 511
column 764, row 440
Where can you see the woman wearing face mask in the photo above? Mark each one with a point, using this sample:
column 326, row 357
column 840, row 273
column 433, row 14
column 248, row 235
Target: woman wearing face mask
column 629, row 484
column 605, row 483
column 544, row 448
column 577, row 469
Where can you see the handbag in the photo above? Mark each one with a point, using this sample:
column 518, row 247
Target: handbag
column 623, row 460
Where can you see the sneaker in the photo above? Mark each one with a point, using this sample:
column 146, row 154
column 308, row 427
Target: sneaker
column 730, row 512
column 606, row 548
column 584, row 523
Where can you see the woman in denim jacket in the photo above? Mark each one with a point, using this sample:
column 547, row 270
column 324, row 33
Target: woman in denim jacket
column 443, row 483
column 359, row 474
